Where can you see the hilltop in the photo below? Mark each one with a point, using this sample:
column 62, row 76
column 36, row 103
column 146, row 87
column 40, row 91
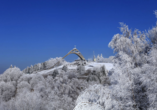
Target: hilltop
column 52, row 89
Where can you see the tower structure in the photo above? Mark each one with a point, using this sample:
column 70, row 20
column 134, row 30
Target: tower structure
column 94, row 59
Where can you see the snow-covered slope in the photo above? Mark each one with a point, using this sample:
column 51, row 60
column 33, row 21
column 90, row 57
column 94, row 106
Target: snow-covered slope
column 90, row 65
column 108, row 66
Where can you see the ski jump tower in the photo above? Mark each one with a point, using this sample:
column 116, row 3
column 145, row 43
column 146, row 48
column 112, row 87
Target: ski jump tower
column 73, row 51
column 77, row 52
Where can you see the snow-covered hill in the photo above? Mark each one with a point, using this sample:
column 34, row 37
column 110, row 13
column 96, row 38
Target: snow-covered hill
column 90, row 65
column 52, row 89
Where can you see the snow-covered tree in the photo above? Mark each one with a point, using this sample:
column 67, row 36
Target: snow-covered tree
column 45, row 65
column 57, row 91
column 98, row 57
column 8, row 83
column 150, row 76
column 51, row 62
column 31, row 69
column 81, row 69
column 96, row 97
column 130, row 54
column 104, row 60
column 65, row 68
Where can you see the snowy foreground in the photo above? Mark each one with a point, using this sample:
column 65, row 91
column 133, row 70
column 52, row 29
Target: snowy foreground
column 66, row 87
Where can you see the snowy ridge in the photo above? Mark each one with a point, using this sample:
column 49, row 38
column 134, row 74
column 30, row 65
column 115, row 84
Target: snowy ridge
column 90, row 65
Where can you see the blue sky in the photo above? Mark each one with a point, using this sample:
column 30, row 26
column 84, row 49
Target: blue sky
column 32, row 31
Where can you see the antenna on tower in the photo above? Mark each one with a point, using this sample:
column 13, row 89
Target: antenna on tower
column 94, row 59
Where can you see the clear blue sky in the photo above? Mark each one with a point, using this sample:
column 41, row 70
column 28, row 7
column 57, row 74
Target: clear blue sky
column 32, row 31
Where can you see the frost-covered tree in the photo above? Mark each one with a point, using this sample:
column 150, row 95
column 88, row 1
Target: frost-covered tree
column 65, row 68
column 51, row 62
column 45, row 65
column 94, row 76
column 130, row 46
column 98, row 57
column 96, row 97
column 37, row 92
column 39, row 66
column 55, row 73
column 7, row 90
column 104, row 60
column 81, row 69
column 150, row 75
column 8, row 83
column 133, row 81
column 31, row 69
column 152, row 33
column 130, row 54
column 35, row 67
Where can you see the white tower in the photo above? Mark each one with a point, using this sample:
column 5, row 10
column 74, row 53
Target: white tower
column 94, row 59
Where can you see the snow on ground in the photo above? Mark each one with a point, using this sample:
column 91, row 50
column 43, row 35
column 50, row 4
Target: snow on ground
column 88, row 106
column 72, row 66
column 108, row 66
column 49, row 70
column 90, row 65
